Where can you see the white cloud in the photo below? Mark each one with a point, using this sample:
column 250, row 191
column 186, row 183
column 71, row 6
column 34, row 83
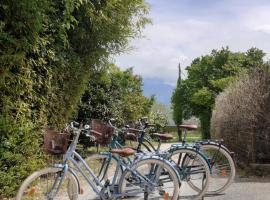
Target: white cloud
column 182, row 36
column 158, row 55
column 265, row 28
column 257, row 19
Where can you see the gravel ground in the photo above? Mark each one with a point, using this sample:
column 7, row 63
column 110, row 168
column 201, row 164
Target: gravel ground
column 237, row 191
column 259, row 190
column 245, row 191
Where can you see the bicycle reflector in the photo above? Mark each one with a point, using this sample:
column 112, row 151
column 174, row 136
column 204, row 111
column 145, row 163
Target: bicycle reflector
column 166, row 196
column 223, row 173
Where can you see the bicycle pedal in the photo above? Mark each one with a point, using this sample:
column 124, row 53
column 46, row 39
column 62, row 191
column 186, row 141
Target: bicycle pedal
column 166, row 196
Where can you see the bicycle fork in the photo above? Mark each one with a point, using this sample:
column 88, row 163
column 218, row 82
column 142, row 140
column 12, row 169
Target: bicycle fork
column 58, row 181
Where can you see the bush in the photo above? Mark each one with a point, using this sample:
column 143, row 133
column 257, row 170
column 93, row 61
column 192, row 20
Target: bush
column 47, row 50
column 19, row 153
column 114, row 93
column 242, row 116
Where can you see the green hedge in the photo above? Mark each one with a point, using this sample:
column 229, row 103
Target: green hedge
column 19, row 153
column 47, row 51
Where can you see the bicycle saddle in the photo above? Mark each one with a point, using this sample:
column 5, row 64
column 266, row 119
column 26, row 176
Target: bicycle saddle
column 125, row 152
column 163, row 136
column 188, row 127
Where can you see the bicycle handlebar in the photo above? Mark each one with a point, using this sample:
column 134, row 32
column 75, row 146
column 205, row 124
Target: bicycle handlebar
column 77, row 127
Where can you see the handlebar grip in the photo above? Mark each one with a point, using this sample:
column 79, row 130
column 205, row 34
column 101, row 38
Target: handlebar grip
column 112, row 120
column 75, row 124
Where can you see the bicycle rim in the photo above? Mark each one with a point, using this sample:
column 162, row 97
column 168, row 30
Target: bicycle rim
column 43, row 184
column 194, row 173
column 151, row 178
column 222, row 168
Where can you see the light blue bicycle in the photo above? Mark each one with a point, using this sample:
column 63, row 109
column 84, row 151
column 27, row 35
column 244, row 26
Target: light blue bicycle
column 143, row 177
column 194, row 171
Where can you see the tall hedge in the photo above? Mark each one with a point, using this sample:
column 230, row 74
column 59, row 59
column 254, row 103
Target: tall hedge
column 242, row 116
column 47, row 49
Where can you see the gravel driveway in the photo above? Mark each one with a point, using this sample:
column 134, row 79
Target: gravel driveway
column 237, row 191
column 245, row 191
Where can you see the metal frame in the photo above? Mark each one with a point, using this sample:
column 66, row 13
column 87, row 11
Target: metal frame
column 74, row 157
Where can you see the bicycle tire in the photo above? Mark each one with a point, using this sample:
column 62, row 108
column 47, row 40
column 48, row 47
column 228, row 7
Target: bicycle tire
column 153, row 162
column 206, row 172
column 72, row 183
column 231, row 163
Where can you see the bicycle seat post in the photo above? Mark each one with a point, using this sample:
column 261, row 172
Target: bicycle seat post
column 159, row 144
column 185, row 137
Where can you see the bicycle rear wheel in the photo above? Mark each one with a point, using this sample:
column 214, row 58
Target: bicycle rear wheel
column 194, row 173
column 151, row 178
column 43, row 184
column 222, row 167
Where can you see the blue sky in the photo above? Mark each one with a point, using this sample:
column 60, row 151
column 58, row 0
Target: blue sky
column 185, row 29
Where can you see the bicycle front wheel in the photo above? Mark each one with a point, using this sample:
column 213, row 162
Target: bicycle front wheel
column 151, row 178
column 104, row 167
column 44, row 184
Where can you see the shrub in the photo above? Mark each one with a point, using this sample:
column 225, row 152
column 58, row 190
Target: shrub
column 47, row 50
column 19, row 153
column 242, row 116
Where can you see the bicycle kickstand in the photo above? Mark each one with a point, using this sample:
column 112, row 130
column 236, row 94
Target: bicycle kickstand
column 146, row 193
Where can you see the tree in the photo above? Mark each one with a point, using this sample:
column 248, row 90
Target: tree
column 208, row 76
column 113, row 93
column 177, row 101
column 159, row 115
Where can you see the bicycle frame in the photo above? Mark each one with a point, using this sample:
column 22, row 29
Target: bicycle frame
column 73, row 157
column 167, row 155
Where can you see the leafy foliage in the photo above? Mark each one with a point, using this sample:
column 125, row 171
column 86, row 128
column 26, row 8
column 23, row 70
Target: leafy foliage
column 164, row 109
column 113, row 93
column 207, row 77
column 19, row 144
column 158, row 118
column 177, row 106
column 47, row 51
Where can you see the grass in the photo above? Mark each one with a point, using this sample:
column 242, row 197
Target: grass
column 191, row 136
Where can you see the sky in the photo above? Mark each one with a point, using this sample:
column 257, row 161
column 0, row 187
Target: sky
column 183, row 30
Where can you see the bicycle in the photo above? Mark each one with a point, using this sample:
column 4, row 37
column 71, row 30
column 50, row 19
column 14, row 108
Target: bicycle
column 196, row 170
column 220, row 159
column 222, row 163
column 105, row 164
column 143, row 175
